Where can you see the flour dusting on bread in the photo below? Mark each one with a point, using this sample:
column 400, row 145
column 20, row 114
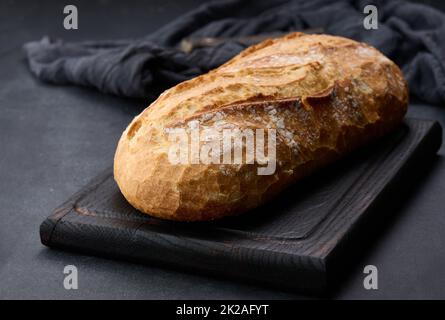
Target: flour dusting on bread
column 324, row 96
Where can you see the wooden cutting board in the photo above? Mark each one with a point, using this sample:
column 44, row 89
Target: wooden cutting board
column 298, row 241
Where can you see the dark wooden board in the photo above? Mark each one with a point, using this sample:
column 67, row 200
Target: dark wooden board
column 298, row 241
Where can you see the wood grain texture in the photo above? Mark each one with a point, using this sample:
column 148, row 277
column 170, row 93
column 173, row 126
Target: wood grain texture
column 297, row 241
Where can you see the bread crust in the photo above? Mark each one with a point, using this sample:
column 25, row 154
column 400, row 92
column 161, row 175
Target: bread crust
column 324, row 96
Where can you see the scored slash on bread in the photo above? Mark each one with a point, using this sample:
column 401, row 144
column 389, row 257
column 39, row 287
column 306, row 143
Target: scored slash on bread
column 324, row 96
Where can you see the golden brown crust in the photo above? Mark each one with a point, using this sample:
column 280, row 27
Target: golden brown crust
column 323, row 95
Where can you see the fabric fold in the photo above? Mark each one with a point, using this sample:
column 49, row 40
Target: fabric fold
column 408, row 33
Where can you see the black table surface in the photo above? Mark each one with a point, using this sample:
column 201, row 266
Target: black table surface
column 54, row 139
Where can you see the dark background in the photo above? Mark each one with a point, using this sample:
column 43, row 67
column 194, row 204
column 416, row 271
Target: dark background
column 54, row 139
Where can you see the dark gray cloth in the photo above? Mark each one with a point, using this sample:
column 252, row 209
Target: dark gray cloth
column 410, row 34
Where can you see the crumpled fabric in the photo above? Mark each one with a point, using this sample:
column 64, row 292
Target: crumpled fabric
column 410, row 34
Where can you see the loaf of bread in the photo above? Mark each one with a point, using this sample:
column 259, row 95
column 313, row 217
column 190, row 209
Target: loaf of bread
column 309, row 99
